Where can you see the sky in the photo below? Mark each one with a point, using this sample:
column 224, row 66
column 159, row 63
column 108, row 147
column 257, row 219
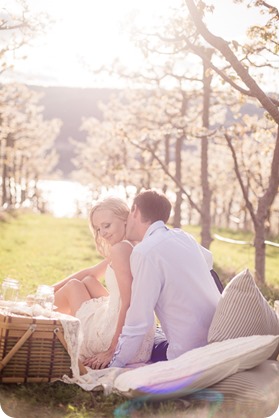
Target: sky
column 88, row 33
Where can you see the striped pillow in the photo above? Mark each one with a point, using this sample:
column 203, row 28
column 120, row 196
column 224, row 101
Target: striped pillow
column 243, row 311
column 254, row 391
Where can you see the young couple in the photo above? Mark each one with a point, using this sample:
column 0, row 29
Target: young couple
column 149, row 270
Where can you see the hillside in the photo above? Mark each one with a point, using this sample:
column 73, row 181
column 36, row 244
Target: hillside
column 70, row 105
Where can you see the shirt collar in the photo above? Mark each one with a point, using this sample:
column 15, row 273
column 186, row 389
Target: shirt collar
column 153, row 227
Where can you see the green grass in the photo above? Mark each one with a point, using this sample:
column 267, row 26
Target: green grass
column 230, row 259
column 41, row 249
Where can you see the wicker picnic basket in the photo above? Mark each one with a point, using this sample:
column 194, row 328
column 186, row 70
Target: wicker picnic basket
column 32, row 349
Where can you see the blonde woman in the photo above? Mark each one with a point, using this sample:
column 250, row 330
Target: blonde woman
column 102, row 309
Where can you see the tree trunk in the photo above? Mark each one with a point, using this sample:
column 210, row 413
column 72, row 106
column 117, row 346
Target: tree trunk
column 167, row 157
column 4, row 184
column 178, row 202
column 206, row 238
column 178, row 167
column 177, row 209
column 260, row 253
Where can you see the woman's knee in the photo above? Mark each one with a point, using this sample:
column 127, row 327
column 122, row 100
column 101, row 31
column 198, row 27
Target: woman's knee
column 74, row 285
column 88, row 280
column 94, row 287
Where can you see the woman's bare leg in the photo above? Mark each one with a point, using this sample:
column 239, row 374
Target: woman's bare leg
column 94, row 287
column 71, row 296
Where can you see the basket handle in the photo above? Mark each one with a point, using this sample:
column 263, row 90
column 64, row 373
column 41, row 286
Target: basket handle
column 60, row 336
column 17, row 346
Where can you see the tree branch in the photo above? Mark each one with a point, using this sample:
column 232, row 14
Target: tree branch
column 165, row 168
column 238, row 175
column 222, row 46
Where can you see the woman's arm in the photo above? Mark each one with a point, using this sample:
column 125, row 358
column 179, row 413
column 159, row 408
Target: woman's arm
column 96, row 271
column 120, row 262
column 121, row 266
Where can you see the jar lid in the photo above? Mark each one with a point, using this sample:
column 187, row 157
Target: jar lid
column 10, row 281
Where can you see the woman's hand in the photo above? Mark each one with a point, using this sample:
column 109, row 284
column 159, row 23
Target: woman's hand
column 100, row 360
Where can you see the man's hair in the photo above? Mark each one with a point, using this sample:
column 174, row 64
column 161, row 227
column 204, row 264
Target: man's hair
column 153, row 206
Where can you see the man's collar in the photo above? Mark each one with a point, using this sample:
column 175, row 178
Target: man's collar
column 153, row 227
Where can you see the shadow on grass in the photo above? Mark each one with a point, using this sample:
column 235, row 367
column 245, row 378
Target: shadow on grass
column 56, row 400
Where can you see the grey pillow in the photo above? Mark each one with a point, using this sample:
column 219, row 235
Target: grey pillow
column 243, row 311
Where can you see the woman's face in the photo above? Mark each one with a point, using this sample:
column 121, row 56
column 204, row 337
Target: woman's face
column 109, row 226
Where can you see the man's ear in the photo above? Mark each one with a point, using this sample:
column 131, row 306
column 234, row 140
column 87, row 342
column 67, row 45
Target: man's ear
column 135, row 211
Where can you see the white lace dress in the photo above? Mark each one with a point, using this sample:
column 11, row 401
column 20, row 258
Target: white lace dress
column 99, row 318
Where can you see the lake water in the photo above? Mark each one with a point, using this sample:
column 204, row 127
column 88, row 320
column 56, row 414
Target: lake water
column 68, row 198
column 64, row 198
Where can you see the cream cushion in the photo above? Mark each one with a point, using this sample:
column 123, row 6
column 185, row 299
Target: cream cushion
column 243, row 311
column 196, row 369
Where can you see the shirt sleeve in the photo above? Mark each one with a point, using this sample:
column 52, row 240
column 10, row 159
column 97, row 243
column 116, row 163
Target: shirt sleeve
column 140, row 315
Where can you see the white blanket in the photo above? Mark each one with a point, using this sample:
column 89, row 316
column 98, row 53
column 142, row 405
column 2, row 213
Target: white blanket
column 192, row 371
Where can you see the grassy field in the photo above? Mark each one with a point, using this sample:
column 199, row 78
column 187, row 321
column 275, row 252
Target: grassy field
column 41, row 249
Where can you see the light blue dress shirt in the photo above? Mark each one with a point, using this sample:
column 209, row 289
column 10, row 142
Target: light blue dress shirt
column 171, row 276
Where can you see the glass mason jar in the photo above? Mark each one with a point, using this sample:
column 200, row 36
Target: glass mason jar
column 45, row 296
column 10, row 289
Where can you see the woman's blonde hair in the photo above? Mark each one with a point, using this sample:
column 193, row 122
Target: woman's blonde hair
column 119, row 208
